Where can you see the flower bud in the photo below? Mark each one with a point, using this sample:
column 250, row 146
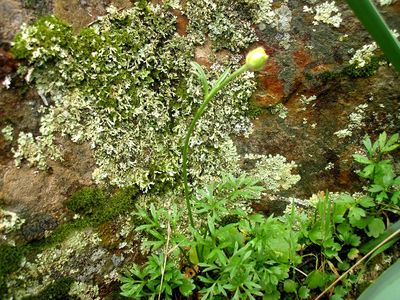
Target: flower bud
column 255, row 59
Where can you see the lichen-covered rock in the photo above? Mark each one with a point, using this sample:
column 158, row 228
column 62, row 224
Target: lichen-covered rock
column 325, row 86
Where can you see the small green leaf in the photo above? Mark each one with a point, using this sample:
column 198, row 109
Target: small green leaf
column 382, row 140
column 362, row 159
column 193, row 257
column 375, row 227
column 381, row 196
column 201, row 75
column 355, row 213
column 395, row 197
column 390, row 148
column 304, row 292
column 367, row 171
column 317, row 279
column 290, row 286
column 368, row 144
column 353, row 253
column 186, row 288
column 366, row 202
column 361, row 223
column 376, row 188
column 393, row 139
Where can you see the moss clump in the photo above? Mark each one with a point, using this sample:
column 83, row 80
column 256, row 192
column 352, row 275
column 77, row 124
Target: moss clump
column 369, row 69
column 86, row 200
column 96, row 208
column 121, row 202
column 57, row 291
column 254, row 111
column 10, row 260
column 327, row 76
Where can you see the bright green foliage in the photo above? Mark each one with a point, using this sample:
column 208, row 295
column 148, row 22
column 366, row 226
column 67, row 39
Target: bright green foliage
column 217, row 198
column 155, row 278
column 338, row 223
column 236, row 255
column 246, row 258
column 124, row 86
column 384, row 183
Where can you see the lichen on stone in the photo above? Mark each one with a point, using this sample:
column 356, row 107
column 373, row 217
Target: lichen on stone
column 363, row 55
column 386, row 2
column 35, row 150
column 280, row 110
column 124, row 86
column 229, row 23
column 9, row 221
column 308, row 100
column 78, row 257
column 356, row 121
column 326, row 12
column 8, row 133
column 275, row 172
column 84, row 291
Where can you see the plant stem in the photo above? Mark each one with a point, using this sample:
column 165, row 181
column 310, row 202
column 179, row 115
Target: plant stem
column 196, row 117
column 372, row 20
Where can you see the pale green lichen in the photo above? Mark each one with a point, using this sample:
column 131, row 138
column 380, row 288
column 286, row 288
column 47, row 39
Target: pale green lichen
column 229, row 23
column 6, row 82
column 79, row 257
column 363, row 55
column 8, row 133
column 308, row 100
column 36, row 150
column 9, row 221
column 326, row 12
column 125, row 87
column 386, row 2
column 275, row 172
column 356, row 121
column 280, row 110
column 365, row 60
column 84, row 291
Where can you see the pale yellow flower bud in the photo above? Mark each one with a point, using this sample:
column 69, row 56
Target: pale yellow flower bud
column 255, row 59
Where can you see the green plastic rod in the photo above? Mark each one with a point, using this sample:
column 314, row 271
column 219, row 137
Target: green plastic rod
column 372, row 20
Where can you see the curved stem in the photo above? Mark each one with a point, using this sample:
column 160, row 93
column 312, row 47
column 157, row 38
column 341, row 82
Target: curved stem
column 196, row 117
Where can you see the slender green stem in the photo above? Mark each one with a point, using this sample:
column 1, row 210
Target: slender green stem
column 192, row 126
column 372, row 20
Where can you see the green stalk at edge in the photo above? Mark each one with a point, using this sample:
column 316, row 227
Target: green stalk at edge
column 372, row 20
column 197, row 116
